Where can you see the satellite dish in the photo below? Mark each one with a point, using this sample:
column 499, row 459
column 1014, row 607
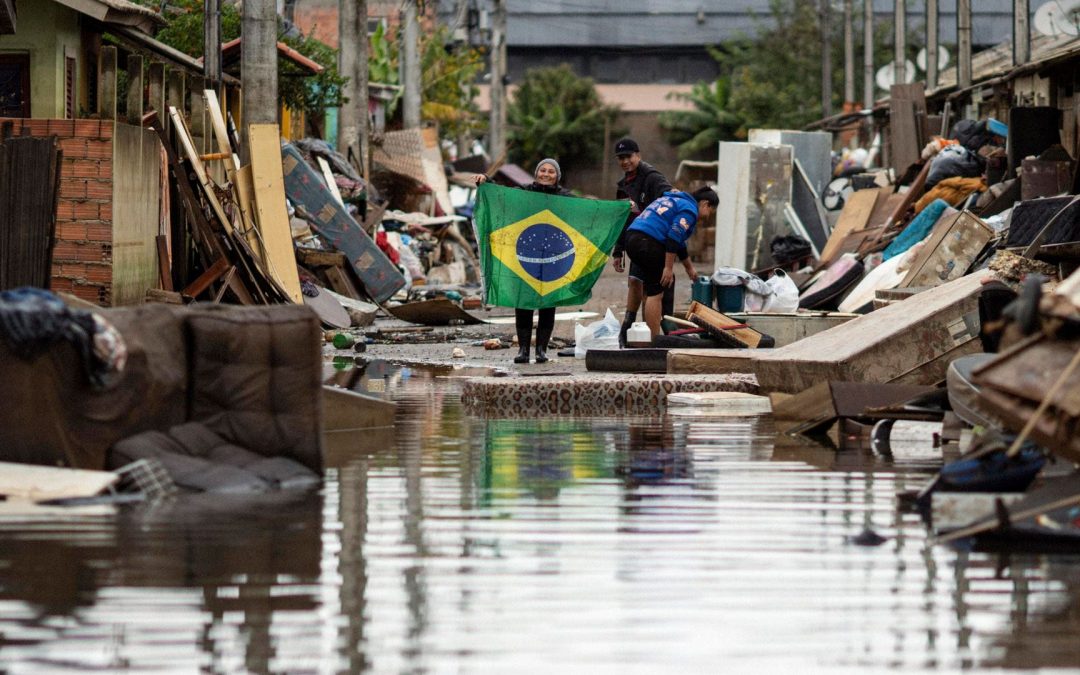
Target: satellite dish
column 942, row 59
column 886, row 75
column 1058, row 17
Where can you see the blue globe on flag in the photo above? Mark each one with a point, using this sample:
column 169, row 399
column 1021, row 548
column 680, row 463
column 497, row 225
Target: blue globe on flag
column 545, row 252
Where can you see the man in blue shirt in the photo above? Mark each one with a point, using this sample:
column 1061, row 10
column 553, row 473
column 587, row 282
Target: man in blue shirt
column 654, row 238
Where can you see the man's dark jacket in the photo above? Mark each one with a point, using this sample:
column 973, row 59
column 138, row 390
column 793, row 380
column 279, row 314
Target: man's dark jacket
column 647, row 186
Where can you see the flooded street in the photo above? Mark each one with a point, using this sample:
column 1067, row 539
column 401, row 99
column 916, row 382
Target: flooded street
column 678, row 543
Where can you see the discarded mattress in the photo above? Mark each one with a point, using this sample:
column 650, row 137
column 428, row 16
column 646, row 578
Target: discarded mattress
column 910, row 342
column 306, row 188
column 841, row 275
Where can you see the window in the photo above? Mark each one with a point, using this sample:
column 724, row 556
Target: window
column 69, row 87
column 14, row 85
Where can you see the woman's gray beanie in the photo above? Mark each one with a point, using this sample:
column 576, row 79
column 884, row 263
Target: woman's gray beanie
column 548, row 160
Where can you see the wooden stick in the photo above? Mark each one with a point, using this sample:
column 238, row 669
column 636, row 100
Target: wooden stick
column 164, row 264
column 225, row 283
column 215, row 272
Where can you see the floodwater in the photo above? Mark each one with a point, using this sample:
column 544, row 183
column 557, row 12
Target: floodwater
column 682, row 543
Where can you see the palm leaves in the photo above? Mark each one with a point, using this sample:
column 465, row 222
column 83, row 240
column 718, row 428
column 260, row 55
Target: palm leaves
column 709, row 121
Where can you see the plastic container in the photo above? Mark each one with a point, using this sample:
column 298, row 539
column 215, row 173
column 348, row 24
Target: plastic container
column 729, row 298
column 702, row 291
column 639, row 335
column 344, row 340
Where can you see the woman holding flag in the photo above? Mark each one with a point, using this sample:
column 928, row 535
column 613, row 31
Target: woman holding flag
column 547, row 179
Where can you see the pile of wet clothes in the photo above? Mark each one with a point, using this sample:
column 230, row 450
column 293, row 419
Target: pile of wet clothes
column 32, row 319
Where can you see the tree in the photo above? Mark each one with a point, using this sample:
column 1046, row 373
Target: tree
column 697, row 131
column 557, row 114
column 310, row 94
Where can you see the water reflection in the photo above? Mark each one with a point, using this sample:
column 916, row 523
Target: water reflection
column 640, row 544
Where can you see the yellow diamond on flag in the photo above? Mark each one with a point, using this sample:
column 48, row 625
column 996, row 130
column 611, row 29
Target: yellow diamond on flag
column 545, row 252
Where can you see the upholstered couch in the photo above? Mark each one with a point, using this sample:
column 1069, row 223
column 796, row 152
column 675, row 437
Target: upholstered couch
column 203, row 386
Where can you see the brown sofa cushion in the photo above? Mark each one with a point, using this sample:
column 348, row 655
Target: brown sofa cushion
column 198, row 459
column 255, row 378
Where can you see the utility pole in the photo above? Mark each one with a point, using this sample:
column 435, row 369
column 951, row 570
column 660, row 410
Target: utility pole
column 931, row 44
column 461, row 36
column 826, row 58
column 258, row 69
column 212, row 43
column 849, row 53
column 900, row 42
column 1021, row 32
column 411, row 60
column 868, row 53
column 963, row 43
column 363, row 115
column 348, row 133
column 497, row 126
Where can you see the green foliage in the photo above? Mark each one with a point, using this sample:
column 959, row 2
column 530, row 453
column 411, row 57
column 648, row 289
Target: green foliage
column 557, row 114
column 382, row 57
column 297, row 90
column 697, row 131
column 300, row 91
column 449, row 77
column 184, row 30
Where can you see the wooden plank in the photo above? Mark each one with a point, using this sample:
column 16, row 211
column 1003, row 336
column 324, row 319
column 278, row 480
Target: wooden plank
column 188, row 146
column 853, row 217
column 918, row 186
column 220, row 129
column 42, row 483
column 437, row 312
column 164, row 262
column 331, row 184
column 311, row 257
column 341, row 283
column 903, row 342
column 243, row 188
column 225, row 283
column 216, row 271
column 720, row 321
column 264, row 146
column 907, row 120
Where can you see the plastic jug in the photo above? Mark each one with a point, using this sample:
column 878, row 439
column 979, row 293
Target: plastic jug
column 639, row 335
column 702, row 291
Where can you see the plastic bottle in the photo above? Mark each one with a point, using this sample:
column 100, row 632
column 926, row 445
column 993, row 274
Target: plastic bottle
column 639, row 335
column 344, row 340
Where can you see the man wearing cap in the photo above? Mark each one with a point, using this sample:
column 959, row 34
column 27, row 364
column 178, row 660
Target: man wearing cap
column 642, row 184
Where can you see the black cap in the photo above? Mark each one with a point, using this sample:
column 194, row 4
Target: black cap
column 626, row 146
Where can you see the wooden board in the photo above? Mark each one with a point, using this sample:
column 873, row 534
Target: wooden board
column 907, row 124
column 244, row 188
column 909, row 342
column 380, row 277
column 330, row 311
column 40, row 483
column 188, row 145
column 221, row 131
column 854, row 217
column 331, row 184
column 953, row 245
column 264, row 146
column 718, row 320
column 437, row 312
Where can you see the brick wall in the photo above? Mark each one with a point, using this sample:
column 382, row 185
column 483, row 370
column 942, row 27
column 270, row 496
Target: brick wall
column 82, row 257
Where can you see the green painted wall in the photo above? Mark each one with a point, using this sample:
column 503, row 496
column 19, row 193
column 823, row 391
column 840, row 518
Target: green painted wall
column 43, row 30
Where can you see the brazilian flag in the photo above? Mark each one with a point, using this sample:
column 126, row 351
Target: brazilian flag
column 539, row 250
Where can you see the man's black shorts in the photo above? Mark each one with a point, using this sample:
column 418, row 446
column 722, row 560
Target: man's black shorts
column 649, row 256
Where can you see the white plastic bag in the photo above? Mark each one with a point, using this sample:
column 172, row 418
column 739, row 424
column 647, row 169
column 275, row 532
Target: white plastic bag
column 785, row 294
column 603, row 334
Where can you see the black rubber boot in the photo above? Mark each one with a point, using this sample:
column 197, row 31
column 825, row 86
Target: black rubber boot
column 523, row 321
column 628, row 320
column 543, row 333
